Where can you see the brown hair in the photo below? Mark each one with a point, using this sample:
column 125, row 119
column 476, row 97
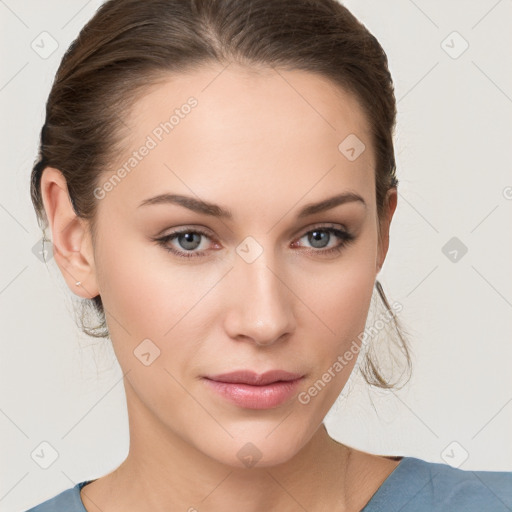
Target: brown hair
column 128, row 45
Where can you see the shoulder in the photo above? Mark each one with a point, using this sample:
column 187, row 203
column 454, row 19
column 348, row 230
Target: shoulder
column 419, row 486
column 67, row 501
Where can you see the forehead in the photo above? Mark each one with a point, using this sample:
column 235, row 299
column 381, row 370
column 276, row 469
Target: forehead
column 250, row 98
column 266, row 130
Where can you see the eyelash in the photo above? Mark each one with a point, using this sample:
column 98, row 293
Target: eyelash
column 345, row 237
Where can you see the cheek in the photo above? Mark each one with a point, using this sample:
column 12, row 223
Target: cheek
column 148, row 295
column 341, row 293
column 129, row 286
column 340, row 298
column 343, row 308
column 140, row 286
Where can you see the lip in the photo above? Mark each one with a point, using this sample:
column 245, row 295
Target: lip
column 253, row 378
column 250, row 390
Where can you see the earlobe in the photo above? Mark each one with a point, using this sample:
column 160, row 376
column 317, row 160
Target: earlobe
column 72, row 248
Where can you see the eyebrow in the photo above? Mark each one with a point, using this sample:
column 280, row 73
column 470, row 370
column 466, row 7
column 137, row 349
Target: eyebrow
column 215, row 210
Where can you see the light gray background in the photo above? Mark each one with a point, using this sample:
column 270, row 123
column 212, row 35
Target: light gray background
column 453, row 146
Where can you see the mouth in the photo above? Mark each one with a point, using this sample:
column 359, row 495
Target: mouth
column 250, row 390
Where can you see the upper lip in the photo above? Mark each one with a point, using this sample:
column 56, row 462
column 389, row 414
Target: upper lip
column 255, row 379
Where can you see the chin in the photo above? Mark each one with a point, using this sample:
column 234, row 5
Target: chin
column 257, row 450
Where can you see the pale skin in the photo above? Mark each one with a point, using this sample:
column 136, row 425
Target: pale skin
column 255, row 146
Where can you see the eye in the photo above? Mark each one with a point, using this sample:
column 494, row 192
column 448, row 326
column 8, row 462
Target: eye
column 321, row 236
column 188, row 240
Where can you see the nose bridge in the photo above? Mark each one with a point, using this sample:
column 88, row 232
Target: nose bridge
column 261, row 307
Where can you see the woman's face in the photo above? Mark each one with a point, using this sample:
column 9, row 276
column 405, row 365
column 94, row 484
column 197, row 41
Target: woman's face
column 274, row 285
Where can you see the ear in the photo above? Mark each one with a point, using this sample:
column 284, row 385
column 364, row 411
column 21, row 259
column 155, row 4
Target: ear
column 72, row 244
column 390, row 203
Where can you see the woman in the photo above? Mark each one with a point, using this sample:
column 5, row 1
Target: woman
column 219, row 180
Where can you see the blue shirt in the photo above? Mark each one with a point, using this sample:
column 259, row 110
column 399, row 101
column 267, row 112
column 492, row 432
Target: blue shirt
column 414, row 486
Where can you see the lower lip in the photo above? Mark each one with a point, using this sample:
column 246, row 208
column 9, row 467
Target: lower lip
column 255, row 397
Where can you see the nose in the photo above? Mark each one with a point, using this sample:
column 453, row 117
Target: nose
column 261, row 308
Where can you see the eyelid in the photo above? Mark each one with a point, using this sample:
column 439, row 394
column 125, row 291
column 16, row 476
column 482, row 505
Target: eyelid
column 185, row 229
column 320, row 225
